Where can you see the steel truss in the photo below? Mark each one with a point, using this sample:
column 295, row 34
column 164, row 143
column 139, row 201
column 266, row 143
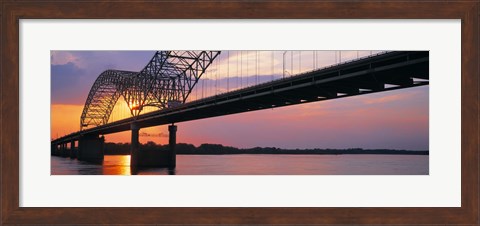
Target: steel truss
column 166, row 81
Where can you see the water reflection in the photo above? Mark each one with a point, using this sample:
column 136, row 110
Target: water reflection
column 116, row 165
column 156, row 171
column 111, row 165
column 120, row 165
column 254, row 165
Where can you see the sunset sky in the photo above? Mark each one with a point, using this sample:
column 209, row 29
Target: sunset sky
column 393, row 119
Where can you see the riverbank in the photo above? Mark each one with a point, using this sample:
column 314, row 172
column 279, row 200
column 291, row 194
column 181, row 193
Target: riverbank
column 218, row 149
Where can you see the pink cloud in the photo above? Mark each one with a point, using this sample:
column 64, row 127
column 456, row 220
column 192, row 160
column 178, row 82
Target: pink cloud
column 62, row 57
column 390, row 98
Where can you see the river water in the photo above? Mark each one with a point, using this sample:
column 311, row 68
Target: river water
column 254, row 164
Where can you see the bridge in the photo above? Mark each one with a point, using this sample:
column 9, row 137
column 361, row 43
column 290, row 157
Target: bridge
column 169, row 78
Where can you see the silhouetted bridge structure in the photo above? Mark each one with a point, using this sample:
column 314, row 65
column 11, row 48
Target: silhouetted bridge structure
column 379, row 73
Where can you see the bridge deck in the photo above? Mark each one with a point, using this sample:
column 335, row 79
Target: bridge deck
column 388, row 71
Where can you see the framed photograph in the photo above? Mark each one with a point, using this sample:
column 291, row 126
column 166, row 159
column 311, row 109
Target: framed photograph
column 240, row 112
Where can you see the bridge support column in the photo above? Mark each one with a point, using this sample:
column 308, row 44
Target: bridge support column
column 172, row 142
column 72, row 149
column 64, row 149
column 55, row 150
column 90, row 148
column 151, row 158
column 134, row 145
column 58, row 149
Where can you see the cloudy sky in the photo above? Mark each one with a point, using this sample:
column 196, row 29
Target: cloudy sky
column 393, row 119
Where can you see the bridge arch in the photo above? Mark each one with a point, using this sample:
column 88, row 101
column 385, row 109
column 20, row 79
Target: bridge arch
column 166, row 81
column 103, row 96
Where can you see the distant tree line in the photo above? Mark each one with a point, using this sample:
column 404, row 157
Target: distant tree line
column 218, row 149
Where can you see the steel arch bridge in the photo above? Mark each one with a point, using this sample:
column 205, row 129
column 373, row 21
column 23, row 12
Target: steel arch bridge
column 166, row 81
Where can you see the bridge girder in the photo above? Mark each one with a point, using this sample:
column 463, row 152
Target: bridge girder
column 166, row 81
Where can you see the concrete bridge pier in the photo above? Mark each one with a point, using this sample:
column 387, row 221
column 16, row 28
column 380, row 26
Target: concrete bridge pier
column 172, row 142
column 90, row 148
column 56, row 148
column 134, row 145
column 64, row 150
column 73, row 153
column 152, row 158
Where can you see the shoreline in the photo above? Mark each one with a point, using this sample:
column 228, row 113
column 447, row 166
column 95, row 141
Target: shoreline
column 218, row 149
column 301, row 153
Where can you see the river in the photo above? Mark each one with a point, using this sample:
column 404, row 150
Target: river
column 254, row 164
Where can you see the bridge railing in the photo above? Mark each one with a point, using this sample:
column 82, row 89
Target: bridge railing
column 213, row 83
column 307, row 71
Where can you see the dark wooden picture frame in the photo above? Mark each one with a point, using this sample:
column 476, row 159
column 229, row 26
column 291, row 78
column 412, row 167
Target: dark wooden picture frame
column 13, row 11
